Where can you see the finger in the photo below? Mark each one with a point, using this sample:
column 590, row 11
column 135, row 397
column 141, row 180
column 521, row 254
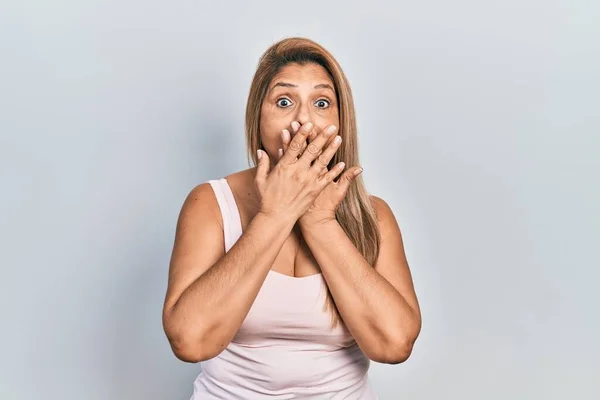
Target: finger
column 286, row 144
column 303, row 148
column 327, row 178
column 263, row 167
column 311, row 135
column 296, row 144
column 285, row 140
column 313, row 150
column 348, row 177
column 295, row 126
column 323, row 159
column 323, row 172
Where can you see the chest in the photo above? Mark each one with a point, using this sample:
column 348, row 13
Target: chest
column 292, row 310
column 295, row 258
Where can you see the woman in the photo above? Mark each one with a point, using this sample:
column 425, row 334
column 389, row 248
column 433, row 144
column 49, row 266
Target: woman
column 284, row 281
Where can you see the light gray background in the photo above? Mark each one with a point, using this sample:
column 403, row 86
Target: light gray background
column 479, row 124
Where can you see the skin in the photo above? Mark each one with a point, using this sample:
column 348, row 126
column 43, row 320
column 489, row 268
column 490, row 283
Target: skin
column 287, row 209
column 297, row 94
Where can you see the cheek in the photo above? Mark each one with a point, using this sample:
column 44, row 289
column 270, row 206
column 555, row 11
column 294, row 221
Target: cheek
column 270, row 134
column 267, row 130
column 331, row 117
column 271, row 125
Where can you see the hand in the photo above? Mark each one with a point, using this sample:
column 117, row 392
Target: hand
column 326, row 203
column 289, row 188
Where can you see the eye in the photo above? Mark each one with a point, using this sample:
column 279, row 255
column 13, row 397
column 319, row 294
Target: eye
column 322, row 103
column 283, row 102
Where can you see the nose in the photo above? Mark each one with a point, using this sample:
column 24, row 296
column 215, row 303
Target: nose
column 303, row 114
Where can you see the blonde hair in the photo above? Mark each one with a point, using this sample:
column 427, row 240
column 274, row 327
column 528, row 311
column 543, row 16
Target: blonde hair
column 356, row 213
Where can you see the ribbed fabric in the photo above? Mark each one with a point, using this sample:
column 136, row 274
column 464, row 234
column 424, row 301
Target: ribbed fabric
column 285, row 348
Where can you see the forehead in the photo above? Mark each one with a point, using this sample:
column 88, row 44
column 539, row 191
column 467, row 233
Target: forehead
column 307, row 73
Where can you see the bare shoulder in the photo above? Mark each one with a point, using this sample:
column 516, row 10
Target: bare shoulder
column 200, row 203
column 201, row 206
column 385, row 215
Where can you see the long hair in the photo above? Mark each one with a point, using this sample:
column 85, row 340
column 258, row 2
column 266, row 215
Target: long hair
column 356, row 214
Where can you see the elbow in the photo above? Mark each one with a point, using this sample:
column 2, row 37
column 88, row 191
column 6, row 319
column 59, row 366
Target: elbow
column 186, row 353
column 397, row 350
column 191, row 350
column 397, row 353
column 187, row 346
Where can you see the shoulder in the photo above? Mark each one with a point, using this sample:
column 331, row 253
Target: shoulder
column 382, row 208
column 201, row 192
column 201, row 201
column 385, row 215
column 204, row 193
column 200, row 204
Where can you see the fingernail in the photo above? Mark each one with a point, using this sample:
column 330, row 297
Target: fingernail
column 357, row 172
column 280, row 153
column 259, row 153
column 331, row 129
column 337, row 139
column 308, row 126
column 295, row 126
column 285, row 134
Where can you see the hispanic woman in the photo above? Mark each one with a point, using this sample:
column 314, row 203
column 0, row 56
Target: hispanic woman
column 286, row 279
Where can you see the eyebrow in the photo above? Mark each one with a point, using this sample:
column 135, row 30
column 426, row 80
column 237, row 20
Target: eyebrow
column 319, row 86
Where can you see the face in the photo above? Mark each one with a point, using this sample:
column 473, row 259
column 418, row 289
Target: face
column 297, row 93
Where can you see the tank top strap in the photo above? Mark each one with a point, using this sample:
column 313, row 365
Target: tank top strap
column 232, row 225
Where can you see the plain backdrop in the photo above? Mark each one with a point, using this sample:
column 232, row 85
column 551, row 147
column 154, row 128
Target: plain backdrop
column 478, row 123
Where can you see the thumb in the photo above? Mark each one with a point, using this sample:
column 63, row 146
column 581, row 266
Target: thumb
column 348, row 178
column 263, row 168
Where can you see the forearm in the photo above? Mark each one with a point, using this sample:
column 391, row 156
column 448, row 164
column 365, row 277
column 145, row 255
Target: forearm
column 376, row 314
column 210, row 311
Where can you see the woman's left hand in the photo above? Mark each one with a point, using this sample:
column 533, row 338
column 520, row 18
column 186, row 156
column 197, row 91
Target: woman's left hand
column 323, row 208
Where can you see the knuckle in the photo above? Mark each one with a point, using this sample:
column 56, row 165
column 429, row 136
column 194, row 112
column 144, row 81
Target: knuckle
column 295, row 145
column 322, row 159
column 313, row 149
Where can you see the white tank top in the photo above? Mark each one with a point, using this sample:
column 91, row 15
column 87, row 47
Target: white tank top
column 285, row 348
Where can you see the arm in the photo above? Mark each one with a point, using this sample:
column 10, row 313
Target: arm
column 210, row 292
column 377, row 303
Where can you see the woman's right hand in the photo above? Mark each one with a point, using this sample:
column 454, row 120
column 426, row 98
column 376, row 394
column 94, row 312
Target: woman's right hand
column 289, row 188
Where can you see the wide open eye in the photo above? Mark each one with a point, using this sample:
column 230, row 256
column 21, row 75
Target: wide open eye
column 322, row 103
column 283, row 102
